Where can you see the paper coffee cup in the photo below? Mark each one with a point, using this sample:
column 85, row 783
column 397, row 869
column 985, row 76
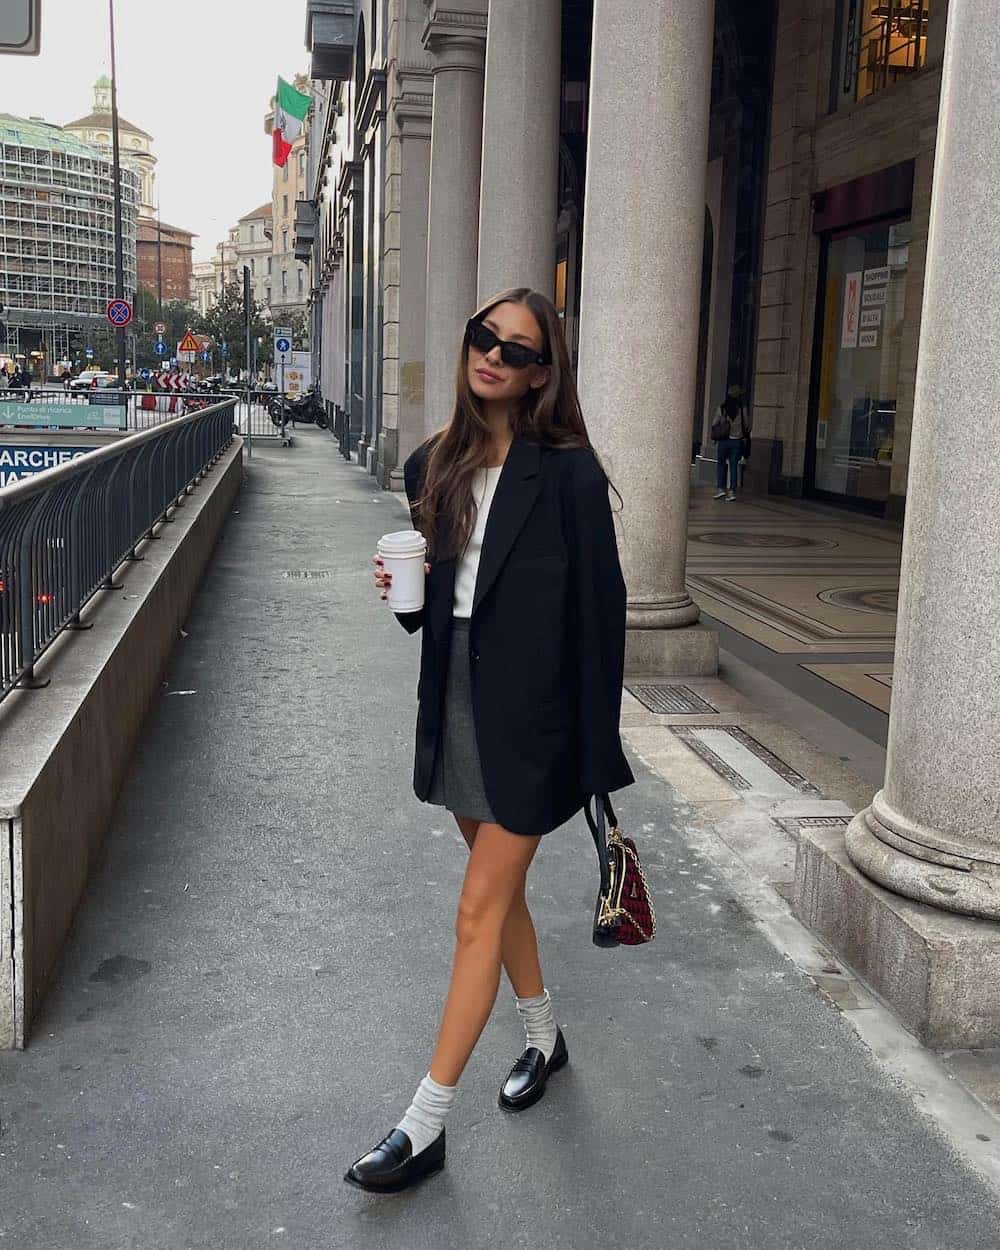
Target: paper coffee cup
column 403, row 554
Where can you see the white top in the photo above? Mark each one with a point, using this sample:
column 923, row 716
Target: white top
column 484, row 484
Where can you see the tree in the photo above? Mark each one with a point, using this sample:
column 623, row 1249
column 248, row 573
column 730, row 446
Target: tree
column 178, row 316
column 225, row 324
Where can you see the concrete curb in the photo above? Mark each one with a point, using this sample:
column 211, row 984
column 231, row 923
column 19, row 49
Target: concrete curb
column 68, row 747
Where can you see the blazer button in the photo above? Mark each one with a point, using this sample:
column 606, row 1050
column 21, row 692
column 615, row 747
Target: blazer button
column 473, row 655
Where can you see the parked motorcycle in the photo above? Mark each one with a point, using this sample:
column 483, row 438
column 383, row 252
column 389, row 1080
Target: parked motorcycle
column 307, row 408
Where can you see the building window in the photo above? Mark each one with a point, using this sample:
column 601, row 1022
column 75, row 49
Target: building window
column 881, row 42
column 284, row 172
column 284, row 240
column 284, row 282
column 269, row 259
column 301, row 288
column 861, row 320
column 267, row 295
column 284, row 203
column 253, row 267
column 302, row 164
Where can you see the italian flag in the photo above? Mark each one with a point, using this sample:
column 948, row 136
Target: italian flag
column 290, row 111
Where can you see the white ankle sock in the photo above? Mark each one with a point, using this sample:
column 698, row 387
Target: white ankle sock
column 424, row 1116
column 539, row 1022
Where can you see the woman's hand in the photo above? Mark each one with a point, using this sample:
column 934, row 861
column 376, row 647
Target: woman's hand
column 383, row 580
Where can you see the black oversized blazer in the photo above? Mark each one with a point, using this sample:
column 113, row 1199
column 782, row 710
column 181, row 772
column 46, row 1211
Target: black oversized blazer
column 546, row 639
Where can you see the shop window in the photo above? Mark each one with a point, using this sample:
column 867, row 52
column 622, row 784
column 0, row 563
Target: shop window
column 881, row 42
column 861, row 324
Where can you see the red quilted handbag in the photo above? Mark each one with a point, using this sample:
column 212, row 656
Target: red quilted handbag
column 624, row 915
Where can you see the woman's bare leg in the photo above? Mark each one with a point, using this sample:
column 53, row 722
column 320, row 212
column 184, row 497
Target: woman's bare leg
column 518, row 942
column 494, row 875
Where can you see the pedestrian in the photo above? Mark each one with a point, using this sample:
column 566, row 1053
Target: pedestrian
column 67, row 378
column 731, row 432
column 520, row 688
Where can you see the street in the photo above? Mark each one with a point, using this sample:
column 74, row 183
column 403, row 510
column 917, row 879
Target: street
column 252, row 985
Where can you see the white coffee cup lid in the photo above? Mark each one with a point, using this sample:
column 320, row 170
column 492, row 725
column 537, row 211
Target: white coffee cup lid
column 402, row 543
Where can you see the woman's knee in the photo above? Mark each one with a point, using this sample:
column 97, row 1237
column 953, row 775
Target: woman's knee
column 479, row 918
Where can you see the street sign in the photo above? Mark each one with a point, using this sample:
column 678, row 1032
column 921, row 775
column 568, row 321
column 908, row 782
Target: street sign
column 224, row 350
column 160, row 348
column 20, row 27
column 160, row 327
column 282, row 344
column 119, row 312
column 145, row 374
column 206, row 357
column 89, row 353
column 189, row 343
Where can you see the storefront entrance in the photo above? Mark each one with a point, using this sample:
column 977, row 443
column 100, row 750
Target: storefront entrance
column 861, row 317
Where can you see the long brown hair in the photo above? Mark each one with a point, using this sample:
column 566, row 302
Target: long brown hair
column 549, row 415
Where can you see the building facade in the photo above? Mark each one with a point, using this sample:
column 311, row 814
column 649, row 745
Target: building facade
column 203, row 286
column 135, row 145
column 163, row 259
column 793, row 197
column 254, row 249
column 289, row 284
column 818, row 126
column 164, row 252
column 57, row 252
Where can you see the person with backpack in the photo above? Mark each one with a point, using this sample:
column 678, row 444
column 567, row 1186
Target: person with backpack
column 731, row 433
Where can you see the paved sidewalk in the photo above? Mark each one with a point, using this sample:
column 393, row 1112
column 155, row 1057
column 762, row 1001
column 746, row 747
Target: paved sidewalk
column 250, row 993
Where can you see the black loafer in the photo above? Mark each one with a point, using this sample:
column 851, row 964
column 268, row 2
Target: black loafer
column 392, row 1165
column 526, row 1082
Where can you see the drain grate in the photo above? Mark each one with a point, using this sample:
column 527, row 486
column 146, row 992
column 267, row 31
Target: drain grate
column 671, row 700
column 306, row 574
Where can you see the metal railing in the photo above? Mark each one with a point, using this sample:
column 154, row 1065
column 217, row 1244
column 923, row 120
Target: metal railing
column 65, row 532
column 107, row 409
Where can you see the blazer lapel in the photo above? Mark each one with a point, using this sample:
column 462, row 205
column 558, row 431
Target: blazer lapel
column 516, row 492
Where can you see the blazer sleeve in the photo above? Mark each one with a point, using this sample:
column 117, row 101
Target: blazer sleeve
column 598, row 591
column 412, row 469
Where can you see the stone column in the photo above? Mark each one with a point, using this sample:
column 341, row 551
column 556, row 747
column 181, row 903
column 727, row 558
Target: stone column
column 643, row 228
column 408, row 164
column 518, row 200
column 456, row 39
column 933, row 832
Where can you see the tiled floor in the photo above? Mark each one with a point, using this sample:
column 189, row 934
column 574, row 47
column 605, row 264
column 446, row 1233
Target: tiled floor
column 807, row 591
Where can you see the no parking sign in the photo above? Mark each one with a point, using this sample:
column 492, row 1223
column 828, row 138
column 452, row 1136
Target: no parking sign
column 119, row 313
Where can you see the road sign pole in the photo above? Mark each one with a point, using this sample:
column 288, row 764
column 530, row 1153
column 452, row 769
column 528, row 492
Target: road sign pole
column 117, row 176
column 247, row 317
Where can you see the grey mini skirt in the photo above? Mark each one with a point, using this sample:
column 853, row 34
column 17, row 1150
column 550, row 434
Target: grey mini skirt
column 457, row 783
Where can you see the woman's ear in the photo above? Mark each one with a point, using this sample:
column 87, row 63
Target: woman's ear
column 542, row 375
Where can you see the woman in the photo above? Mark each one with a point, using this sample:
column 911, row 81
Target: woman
column 731, row 431
column 520, row 681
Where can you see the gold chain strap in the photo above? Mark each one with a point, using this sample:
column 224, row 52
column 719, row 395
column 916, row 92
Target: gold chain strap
column 609, row 913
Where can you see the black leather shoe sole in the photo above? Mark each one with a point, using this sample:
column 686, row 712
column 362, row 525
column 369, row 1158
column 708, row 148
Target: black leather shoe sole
column 558, row 1060
column 416, row 1169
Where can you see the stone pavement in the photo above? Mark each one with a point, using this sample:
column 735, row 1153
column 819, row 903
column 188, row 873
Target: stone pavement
column 251, row 989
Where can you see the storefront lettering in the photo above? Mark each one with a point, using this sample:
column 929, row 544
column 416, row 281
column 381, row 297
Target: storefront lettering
column 852, row 292
column 17, row 462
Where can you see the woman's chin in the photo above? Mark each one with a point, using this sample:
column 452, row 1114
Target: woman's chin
column 484, row 390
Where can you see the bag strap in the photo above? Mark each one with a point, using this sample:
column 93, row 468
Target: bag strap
column 602, row 811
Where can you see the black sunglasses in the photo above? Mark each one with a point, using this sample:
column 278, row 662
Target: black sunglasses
column 517, row 355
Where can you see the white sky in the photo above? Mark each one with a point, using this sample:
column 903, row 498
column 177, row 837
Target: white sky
column 197, row 75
